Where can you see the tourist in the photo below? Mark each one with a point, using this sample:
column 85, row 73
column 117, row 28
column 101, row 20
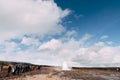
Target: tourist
column 0, row 70
column 9, row 70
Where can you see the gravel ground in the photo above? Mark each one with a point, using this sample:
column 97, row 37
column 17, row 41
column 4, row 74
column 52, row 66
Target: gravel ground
column 50, row 73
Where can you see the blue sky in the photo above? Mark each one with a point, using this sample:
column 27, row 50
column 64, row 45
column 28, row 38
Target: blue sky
column 83, row 33
column 95, row 17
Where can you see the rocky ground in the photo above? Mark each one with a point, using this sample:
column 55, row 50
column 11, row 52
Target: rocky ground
column 50, row 73
column 55, row 73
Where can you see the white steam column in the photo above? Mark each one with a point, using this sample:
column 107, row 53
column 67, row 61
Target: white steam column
column 65, row 66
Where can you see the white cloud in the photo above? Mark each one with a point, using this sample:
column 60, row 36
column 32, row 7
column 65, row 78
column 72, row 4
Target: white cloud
column 78, row 16
column 52, row 45
column 26, row 17
column 104, row 37
column 97, row 56
column 109, row 42
column 8, row 46
column 70, row 33
column 85, row 37
column 100, row 44
column 30, row 41
column 20, row 17
column 116, row 59
column 55, row 51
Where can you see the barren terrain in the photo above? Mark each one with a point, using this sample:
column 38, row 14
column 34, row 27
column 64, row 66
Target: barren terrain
column 51, row 73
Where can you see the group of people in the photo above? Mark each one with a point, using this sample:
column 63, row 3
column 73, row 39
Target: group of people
column 17, row 69
column 1, row 68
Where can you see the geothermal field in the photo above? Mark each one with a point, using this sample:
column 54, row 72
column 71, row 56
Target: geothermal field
column 38, row 72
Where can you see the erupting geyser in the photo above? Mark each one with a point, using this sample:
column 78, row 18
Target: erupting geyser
column 65, row 66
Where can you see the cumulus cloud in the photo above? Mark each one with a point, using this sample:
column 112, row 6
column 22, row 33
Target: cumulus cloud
column 69, row 34
column 56, row 51
column 20, row 17
column 8, row 47
column 30, row 41
column 97, row 55
column 52, row 45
